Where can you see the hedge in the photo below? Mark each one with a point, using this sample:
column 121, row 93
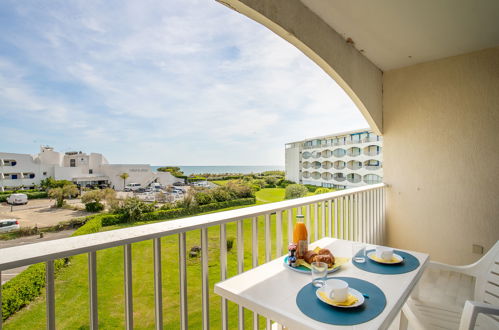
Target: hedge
column 31, row 195
column 8, row 192
column 113, row 219
column 28, row 285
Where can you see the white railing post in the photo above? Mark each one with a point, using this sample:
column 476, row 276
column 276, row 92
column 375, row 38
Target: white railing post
column 92, row 287
column 158, row 283
column 127, row 249
column 268, row 239
column 254, row 256
column 183, row 280
column 205, row 289
column 240, row 267
column 50, row 289
column 223, row 273
column 316, row 221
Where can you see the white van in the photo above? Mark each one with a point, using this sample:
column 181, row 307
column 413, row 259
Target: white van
column 16, row 199
column 132, row 186
column 7, row 225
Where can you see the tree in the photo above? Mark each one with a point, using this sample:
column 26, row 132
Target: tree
column 61, row 193
column 124, row 176
column 296, row 191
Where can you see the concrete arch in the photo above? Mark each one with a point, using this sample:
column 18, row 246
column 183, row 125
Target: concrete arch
column 296, row 23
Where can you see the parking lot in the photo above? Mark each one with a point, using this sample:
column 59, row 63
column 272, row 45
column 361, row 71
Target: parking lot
column 38, row 212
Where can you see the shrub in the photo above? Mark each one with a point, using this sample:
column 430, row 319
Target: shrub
column 113, row 219
column 322, row 191
column 311, row 187
column 221, row 194
column 203, row 197
column 94, row 207
column 295, row 191
column 240, row 189
column 131, row 209
column 61, row 193
column 195, row 179
column 283, row 183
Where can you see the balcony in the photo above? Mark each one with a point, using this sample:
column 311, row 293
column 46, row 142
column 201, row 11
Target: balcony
column 339, row 152
column 354, row 165
column 355, row 214
column 353, row 152
column 339, row 165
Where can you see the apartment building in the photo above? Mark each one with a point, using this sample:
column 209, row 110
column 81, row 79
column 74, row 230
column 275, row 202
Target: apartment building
column 25, row 170
column 344, row 160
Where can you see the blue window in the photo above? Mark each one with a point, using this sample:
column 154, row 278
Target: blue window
column 13, row 176
column 31, row 175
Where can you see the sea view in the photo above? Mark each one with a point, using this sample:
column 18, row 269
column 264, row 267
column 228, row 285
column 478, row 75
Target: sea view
column 188, row 170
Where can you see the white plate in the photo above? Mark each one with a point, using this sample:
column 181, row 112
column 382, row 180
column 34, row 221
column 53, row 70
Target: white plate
column 305, row 270
column 396, row 256
column 353, row 292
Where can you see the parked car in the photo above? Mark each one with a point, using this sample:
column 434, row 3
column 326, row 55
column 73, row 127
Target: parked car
column 132, row 186
column 17, row 199
column 7, row 225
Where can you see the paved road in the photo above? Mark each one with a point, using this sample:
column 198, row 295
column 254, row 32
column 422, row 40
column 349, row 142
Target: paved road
column 8, row 274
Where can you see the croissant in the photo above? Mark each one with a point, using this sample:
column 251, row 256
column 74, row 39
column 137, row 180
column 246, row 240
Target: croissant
column 309, row 256
column 329, row 260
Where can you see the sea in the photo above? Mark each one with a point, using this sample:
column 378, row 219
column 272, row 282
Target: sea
column 188, row 170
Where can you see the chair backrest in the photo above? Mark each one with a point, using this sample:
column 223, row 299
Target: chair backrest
column 486, row 271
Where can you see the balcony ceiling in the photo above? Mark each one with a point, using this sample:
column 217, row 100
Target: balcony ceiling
column 399, row 33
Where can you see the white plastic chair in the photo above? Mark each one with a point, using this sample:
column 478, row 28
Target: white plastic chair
column 456, row 297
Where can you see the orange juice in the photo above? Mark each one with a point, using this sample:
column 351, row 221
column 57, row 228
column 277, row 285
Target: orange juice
column 300, row 237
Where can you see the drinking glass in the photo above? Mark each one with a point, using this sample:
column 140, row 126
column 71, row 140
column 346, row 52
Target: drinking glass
column 359, row 252
column 319, row 272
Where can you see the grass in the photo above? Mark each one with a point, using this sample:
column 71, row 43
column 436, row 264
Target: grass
column 72, row 284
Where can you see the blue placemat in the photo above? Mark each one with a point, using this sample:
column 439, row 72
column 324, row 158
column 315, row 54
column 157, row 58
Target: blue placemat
column 409, row 264
column 311, row 306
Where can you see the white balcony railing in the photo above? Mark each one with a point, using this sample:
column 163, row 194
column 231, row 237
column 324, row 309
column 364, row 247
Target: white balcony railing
column 354, row 214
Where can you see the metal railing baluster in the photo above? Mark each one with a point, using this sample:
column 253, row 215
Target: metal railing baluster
column 92, row 288
column 50, row 289
column 254, row 256
column 127, row 249
column 278, row 234
column 205, row 289
column 268, row 239
column 158, row 283
column 329, row 217
column 240, row 267
column 307, row 216
column 316, row 221
column 223, row 274
column 184, row 320
column 323, row 219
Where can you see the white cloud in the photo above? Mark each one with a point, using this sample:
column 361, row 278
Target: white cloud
column 193, row 79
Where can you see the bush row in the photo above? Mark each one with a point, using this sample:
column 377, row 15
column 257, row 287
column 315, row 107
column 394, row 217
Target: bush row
column 9, row 192
column 113, row 219
column 28, row 285
column 31, row 195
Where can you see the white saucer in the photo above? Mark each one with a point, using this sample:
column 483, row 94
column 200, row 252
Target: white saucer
column 396, row 256
column 353, row 292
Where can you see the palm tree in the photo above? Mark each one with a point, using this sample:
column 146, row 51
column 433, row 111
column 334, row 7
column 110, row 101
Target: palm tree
column 124, row 176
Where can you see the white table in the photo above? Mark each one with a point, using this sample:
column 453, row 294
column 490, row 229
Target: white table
column 271, row 289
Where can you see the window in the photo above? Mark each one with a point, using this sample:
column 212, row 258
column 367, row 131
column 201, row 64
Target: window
column 44, row 173
column 13, row 176
column 90, row 171
column 31, row 175
column 72, row 163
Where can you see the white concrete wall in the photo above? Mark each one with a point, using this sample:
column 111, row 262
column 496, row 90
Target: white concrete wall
column 441, row 155
column 292, row 163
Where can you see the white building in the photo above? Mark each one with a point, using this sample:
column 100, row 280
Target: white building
column 24, row 170
column 343, row 160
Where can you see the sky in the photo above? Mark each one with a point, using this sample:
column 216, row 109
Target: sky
column 185, row 82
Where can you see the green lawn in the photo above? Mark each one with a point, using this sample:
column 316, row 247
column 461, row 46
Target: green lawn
column 72, row 282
